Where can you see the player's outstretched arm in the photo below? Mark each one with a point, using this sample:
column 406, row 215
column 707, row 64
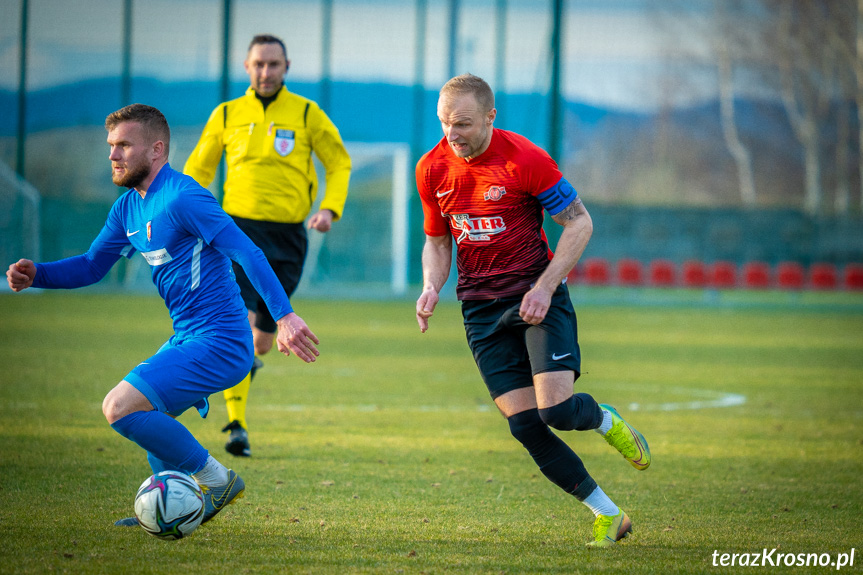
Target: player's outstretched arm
column 21, row 274
column 295, row 336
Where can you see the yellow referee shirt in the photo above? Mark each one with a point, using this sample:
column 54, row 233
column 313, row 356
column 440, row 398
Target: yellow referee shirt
column 271, row 175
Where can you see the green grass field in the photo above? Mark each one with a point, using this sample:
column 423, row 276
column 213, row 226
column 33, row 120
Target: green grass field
column 387, row 456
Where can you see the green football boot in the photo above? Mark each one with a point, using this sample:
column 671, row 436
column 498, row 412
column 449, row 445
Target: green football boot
column 609, row 530
column 629, row 442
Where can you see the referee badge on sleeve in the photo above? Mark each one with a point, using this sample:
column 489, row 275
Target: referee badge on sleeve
column 284, row 142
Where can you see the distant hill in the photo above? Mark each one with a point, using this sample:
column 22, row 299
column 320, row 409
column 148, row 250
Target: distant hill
column 671, row 157
column 657, row 185
column 362, row 111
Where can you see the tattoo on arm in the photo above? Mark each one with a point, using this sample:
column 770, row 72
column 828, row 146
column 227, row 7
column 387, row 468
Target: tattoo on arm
column 569, row 213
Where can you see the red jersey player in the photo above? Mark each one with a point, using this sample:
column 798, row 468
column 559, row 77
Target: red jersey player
column 486, row 189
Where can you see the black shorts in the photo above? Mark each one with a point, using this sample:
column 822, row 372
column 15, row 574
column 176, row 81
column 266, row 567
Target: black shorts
column 284, row 246
column 509, row 351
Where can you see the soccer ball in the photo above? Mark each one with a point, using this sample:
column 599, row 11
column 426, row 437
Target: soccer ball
column 169, row 505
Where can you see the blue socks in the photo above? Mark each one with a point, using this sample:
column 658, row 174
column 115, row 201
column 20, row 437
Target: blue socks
column 157, row 465
column 168, row 443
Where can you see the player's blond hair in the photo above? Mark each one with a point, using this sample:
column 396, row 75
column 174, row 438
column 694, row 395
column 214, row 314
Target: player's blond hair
column 470, row 84
column 153, row 121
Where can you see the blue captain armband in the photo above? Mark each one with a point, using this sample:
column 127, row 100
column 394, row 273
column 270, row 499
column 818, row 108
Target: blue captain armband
column 558, row 197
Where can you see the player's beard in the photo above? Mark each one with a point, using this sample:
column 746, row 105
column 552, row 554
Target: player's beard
column 133, row 176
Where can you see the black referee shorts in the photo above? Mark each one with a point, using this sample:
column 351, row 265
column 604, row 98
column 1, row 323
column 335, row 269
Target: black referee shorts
column 509, row 351
column 285, row 247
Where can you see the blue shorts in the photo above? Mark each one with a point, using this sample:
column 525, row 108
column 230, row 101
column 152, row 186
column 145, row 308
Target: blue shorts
column 189, row 367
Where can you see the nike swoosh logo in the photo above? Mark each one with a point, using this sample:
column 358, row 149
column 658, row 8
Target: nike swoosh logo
column 555, row 357
column 223, row 499
column 442, row 194
column 130, row 234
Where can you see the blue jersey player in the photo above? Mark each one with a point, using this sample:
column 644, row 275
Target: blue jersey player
column 189, row 242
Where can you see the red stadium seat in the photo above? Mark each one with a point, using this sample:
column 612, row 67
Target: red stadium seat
column 596, row 271
column 723, row 275
column 694, row 274
column 662, row 273
column 630, row 272
column 789, row 275
column 756, row 275
column 822, row 276
column 854, row 277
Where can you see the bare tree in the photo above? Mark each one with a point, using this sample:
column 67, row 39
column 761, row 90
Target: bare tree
column 858, row 61
column 810, row 54
column 799, row 90
column 840, row 29
column 845, row 40
column 725, row 44
column 740, row 153
column 812, row 43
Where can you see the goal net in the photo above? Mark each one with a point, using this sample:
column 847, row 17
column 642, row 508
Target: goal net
column 365, row 254
column 19, row 218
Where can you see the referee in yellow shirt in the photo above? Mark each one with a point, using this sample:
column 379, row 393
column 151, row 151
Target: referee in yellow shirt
column 268, row 136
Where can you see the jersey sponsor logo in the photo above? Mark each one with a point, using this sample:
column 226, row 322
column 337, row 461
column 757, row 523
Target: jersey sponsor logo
column 157, row 257
column 130, row 234
column 442, row 194
column 477, row 229
column 556, row 357
column 494, row 193
column 284, row 142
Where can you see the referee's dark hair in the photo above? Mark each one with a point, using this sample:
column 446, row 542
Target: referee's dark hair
column 268, row 39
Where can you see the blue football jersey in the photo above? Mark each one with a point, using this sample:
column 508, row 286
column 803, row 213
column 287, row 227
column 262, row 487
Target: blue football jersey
column 172, row 227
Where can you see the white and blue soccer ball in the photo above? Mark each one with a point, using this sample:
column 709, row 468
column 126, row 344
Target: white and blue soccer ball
column 169, row 505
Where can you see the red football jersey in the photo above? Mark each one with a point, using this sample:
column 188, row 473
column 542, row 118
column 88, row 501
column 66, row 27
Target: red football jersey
column 489, row 206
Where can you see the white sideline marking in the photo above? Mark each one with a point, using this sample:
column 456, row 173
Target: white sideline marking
column 725, row 400
column 712, row 399
column 371, row 408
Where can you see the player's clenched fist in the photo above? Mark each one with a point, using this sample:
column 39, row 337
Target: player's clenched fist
column 20, row 275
